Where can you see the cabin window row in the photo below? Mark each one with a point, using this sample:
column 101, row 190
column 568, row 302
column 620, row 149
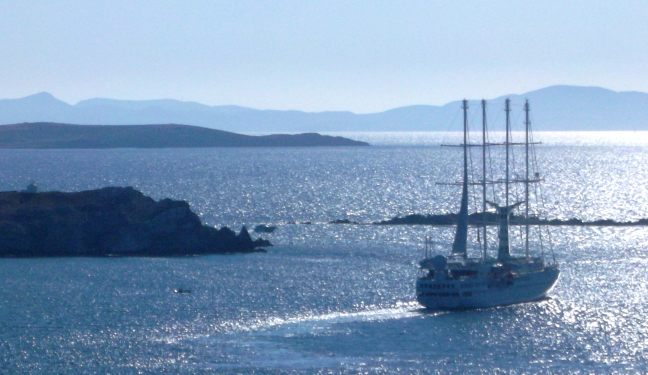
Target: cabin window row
column 441, row 294
column 438, row 286
column 430, row 294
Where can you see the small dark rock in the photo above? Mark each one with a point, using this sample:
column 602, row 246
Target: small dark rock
column 262, row 228
column 343, row 221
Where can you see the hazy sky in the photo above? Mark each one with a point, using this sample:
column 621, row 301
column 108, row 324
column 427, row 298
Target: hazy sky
column 362, row 56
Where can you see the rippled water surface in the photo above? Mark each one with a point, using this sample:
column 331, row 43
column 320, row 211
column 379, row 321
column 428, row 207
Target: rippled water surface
column 327, row 298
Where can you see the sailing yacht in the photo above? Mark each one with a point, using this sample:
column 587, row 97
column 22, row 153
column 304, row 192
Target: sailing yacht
column 457, row 281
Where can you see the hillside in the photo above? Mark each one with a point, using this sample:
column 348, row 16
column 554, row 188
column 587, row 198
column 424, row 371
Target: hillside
column 51, row 135
column 553, row 108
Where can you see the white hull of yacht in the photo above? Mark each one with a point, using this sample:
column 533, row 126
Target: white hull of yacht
column 480, row 293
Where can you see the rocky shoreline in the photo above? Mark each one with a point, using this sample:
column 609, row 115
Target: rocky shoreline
column 112, row 221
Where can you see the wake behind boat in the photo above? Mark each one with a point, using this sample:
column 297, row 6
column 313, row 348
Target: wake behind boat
column 457, row 281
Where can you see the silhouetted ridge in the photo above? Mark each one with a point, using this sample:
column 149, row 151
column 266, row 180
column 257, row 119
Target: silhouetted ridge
column 558, row 107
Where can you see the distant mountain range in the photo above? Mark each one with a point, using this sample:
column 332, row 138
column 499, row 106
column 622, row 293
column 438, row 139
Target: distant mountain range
column 52, row 135
column 553, row 108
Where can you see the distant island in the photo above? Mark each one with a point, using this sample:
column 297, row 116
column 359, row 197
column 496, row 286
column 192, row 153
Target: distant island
column 112, row 221
column 558, row 107
column 47, row 135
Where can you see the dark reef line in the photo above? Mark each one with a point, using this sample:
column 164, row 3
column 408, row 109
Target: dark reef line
column 491, row 219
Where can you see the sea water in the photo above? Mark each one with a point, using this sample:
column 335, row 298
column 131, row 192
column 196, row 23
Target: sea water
column 329, row 298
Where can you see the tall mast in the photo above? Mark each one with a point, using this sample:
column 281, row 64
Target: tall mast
column 460, row 244
column 483, row 103
column 507, row 143
column 527, row 124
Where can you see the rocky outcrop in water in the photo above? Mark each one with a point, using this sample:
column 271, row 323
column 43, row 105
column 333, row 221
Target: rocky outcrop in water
column 478, row 218
column 109, row 222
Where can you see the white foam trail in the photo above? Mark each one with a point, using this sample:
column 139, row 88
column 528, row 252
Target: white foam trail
column 401, row 310
column 372, row 313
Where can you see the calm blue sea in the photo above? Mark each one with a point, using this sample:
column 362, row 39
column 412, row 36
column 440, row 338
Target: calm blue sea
column 329, row 299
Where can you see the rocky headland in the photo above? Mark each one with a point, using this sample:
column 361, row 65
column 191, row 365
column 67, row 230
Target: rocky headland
column 112, row 221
